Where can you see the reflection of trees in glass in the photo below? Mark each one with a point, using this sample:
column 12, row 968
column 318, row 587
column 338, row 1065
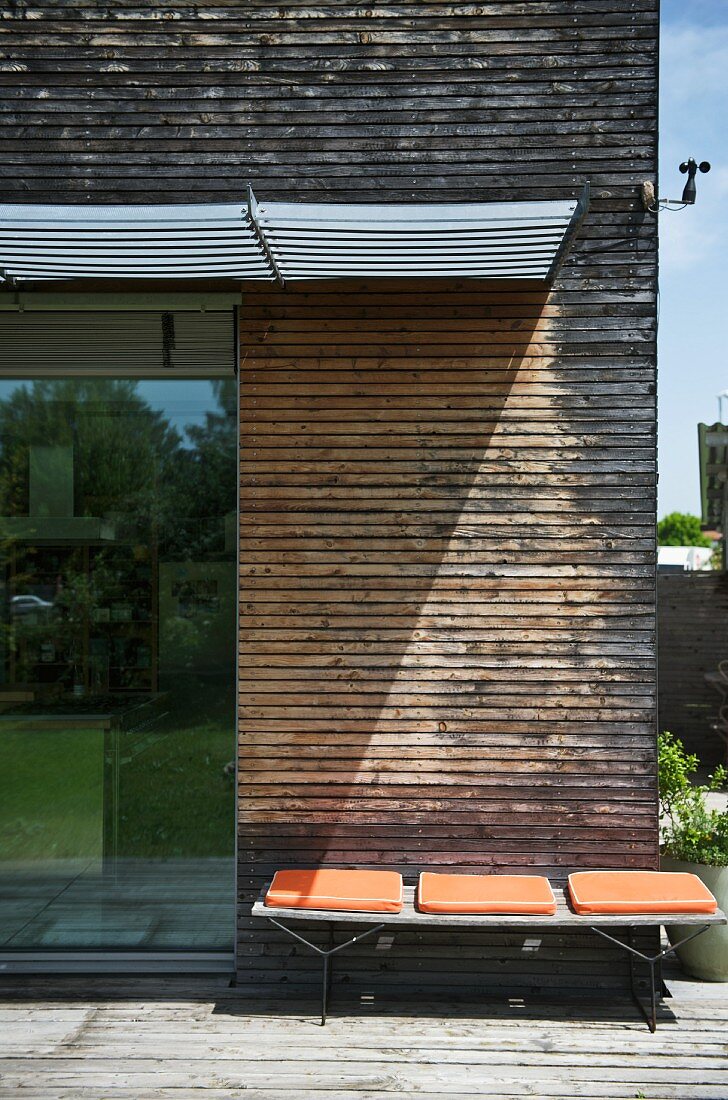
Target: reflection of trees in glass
column 203, row 489
column 124, row 452
column 131, row 468
column 48, row 633
column 121, row 446
column 129, row 462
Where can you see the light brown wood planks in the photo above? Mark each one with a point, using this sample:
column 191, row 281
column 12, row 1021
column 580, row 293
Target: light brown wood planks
column 447, row 629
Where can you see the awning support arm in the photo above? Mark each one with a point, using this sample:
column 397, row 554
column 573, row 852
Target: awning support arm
column 261, row 238
column 581, row 211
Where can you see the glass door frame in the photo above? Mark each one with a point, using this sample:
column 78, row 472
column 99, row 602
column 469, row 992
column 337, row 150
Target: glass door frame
column 130, row 960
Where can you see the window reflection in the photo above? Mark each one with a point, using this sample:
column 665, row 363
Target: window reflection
column 117, row 546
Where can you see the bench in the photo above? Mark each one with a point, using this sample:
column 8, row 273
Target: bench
column 617, row 928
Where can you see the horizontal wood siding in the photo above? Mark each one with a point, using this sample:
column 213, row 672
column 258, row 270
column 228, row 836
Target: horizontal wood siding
column 447, row 601
column 145, row 102
column 447, row 596
column 692, row 640
column 447, row 605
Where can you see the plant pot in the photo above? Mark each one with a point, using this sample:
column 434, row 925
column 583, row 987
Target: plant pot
column 706, row 956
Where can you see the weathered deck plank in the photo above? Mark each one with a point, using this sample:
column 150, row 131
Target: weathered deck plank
column 163, row 1037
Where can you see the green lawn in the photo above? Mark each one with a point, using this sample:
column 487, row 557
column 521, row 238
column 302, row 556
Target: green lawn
column 174, row 798
column 51, row 793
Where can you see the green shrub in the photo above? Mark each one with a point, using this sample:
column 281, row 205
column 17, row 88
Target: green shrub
column 691, row 831
column 681, row 529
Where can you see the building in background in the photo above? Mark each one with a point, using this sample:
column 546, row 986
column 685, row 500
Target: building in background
column 693, row 618
column 713, row 458
column 681, row 559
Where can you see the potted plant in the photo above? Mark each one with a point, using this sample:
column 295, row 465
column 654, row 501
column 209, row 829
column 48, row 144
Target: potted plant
column 694, row 839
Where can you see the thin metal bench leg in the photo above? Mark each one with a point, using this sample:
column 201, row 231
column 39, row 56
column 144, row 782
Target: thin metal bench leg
column 325, row 988
column 653, row 998
column 651, row 960
column 328, row 975
column 651, row 1016
column 326, row 955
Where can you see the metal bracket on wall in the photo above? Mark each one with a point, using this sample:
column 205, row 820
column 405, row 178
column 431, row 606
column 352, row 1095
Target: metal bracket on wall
column 581, row 211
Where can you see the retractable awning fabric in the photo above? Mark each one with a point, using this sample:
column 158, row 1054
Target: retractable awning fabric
column 288, row 241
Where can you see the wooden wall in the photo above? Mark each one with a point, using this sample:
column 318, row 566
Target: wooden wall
column 447, row 604
column 447, row 598
column 182, row 101
column 692, row 639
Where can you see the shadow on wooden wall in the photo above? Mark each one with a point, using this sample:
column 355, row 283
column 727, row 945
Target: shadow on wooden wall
column 424, row 680
column 409, row 531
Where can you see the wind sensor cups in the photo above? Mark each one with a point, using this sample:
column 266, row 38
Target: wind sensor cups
column 691, row 167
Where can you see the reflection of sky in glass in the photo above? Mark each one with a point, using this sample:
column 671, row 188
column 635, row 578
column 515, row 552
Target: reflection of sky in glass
column 183, row 401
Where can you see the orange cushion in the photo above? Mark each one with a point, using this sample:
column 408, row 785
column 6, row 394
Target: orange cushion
column 328, row 888
column 639, row 892
column 485, row 894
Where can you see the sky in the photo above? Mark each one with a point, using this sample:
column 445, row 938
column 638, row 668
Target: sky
column 692, row 355
column 184, row 402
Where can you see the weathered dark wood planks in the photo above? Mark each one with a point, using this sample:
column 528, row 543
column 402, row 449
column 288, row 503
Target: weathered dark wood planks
column 692, row 640
column 361, row 101
column 92, row 1038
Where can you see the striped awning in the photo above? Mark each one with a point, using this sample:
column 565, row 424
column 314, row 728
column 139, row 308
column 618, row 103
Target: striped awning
column 288, row 241
column 190, row 241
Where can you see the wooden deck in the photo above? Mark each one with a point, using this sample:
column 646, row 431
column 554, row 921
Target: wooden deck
column 152, row 1038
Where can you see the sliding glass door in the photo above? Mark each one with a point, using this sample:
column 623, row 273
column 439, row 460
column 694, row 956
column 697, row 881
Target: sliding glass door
column 117, row 663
